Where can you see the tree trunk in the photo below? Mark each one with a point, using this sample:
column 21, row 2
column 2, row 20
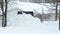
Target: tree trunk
column 56, row 10
column 4, row 13
column 59, row 20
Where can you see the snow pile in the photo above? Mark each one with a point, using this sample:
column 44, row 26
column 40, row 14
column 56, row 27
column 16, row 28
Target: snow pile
column 28, row 26
column 24, row 19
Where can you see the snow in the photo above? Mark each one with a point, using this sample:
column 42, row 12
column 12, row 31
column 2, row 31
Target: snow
column 27, row 6
column 23, row 19
column 27, row 24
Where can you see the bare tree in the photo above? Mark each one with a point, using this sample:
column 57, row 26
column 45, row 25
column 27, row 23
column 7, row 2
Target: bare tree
column 4, row 13
column 3, row 20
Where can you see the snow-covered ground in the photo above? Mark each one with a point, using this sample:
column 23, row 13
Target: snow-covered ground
column 27, row 24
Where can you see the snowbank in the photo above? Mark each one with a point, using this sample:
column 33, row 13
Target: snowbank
column 29, row 25
column 23, row 19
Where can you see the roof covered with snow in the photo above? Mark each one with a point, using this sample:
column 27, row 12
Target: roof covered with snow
column 28, row 6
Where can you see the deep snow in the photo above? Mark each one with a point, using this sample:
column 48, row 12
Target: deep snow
column 27, row 24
